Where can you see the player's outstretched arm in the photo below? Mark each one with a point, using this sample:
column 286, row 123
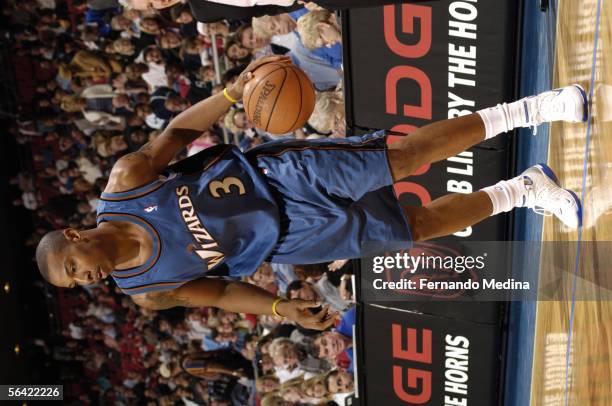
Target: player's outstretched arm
column 191, row 123
column 237, row 297
column 148, row 162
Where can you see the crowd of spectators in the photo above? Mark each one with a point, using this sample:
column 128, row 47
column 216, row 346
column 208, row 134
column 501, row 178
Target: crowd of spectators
column 119, row 353
column 97, row 81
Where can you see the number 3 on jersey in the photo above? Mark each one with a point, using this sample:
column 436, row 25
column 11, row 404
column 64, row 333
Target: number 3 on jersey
column 225, row 186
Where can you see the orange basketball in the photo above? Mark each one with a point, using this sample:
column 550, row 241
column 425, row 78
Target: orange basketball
column 280, row 98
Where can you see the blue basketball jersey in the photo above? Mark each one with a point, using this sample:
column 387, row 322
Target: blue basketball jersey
column 220, row 213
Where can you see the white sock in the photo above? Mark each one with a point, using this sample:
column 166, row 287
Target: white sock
column 502, row 118
column 506, row 195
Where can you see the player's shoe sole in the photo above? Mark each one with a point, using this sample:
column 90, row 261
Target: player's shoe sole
column 585, row 103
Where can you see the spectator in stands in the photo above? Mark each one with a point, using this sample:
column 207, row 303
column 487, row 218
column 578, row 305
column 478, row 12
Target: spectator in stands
column 86, row 64
column 338, row 345
column 274, row 399
column 291, row 360
column 328, row 115
column 339, row 381
column 165, row 104
column 264, row 278
column 314, row 388
column 237, row 53
column 124, row 47
column 319, row 28
column 267, row 383
column 156, row 74
column 101, row 118
column 322, row 290
column 284, row 274
column 122, row 24
column 108, row 146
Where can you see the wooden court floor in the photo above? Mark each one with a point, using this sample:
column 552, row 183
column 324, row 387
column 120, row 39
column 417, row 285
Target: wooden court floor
column 573, row 343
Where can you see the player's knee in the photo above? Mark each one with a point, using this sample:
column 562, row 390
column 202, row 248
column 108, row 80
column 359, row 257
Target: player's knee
column 405, row 158
column 420, row 220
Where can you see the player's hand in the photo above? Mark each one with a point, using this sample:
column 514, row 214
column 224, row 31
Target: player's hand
column 236, row 90
column 298, row 311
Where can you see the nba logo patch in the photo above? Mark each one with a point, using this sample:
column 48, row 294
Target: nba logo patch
column 150, row 209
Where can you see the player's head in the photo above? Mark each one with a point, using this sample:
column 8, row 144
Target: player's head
column 318, row 28
column 328, row 345
column 67, row 258
column 339, row 381
column 148, row 4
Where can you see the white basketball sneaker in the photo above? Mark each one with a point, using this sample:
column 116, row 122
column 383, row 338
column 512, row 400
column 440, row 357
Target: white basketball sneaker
column 545, row 196
column 564, row 104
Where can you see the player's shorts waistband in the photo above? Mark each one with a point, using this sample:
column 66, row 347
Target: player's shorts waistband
column 369, row 142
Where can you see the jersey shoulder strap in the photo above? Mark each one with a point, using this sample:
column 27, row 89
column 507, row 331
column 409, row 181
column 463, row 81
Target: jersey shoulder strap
column 200, row 161
column 133, row 193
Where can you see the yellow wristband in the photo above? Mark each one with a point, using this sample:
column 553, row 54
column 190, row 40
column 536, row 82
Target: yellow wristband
column 228, row 97
column 276, row 302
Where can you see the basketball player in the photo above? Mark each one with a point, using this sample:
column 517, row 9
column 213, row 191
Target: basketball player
column 161, row 237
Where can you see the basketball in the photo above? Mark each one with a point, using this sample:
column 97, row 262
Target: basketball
column 280, row 98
